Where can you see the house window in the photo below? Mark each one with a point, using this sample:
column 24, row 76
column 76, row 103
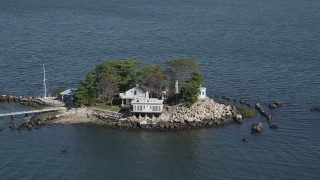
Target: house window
column 156, row 108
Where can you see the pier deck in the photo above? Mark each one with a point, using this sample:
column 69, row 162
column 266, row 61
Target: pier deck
column 33, row 111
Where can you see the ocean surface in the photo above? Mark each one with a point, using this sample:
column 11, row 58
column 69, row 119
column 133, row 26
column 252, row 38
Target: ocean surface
column 256, row 50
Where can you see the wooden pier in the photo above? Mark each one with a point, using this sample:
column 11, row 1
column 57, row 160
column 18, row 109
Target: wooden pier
column 33, row 111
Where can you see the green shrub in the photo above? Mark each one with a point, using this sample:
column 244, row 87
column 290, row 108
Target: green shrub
column 56, row 92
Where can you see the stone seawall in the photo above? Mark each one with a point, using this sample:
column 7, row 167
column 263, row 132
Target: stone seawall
column 25, row 101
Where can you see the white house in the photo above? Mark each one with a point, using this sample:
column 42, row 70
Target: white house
column 147, row 105
column 131, row 94
column 141, row 102
column 203, row 93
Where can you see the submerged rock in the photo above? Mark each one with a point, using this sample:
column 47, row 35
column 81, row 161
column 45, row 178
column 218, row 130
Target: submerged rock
column 13, row 126
column 66, row 150
column 245, row 139
column 274, row 126
column 315, row 109
column 257, row 127
column 82, row 149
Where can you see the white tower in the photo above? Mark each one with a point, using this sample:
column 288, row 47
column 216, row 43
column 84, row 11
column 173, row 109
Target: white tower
column 177, row 87
column 44, row 82
column 203, row 93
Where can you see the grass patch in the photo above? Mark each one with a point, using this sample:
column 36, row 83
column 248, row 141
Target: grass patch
column 248, row 112
column 107, row 107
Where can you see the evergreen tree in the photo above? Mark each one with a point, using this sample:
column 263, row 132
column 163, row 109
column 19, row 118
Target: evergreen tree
column 125, row 71
column 86, row 93
column 80, row 96
column 91, row 87
column 190, row 90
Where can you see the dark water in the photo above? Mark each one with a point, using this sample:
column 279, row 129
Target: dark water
column 259, row 51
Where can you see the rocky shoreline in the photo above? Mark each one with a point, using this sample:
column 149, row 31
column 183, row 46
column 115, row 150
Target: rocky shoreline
column 203, row 114
column 207, row 113
column 25, row 101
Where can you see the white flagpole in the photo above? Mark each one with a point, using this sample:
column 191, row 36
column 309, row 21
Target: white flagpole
column 44, row 82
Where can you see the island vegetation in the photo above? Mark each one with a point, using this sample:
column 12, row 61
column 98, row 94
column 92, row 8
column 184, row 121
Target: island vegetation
column 109, row 78
column 174, row 89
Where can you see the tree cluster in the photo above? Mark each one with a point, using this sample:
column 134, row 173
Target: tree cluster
column 112, row 77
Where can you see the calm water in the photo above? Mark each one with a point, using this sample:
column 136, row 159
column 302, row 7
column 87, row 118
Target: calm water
column 259, row 51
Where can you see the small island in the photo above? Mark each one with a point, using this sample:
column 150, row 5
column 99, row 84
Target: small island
column 125, row 95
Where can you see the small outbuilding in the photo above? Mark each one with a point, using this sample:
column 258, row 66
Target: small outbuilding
column 67, row 95
column 203, row 93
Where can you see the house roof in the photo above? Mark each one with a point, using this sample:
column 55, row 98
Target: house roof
column 136, row 88
column 68, row 92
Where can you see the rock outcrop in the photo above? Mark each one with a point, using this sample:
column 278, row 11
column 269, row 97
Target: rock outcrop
column 263, row 112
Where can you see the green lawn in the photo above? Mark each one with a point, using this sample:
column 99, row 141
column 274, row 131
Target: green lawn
column 107, row 107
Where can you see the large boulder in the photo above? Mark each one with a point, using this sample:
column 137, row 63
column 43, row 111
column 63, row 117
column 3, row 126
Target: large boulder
column 161, row 125
column 275, row 104
column 272, row 105
column 238, row 118
column 257, row 127
column 269, row 118
column 258, row 107
column 144, row 122
column 278, row 103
